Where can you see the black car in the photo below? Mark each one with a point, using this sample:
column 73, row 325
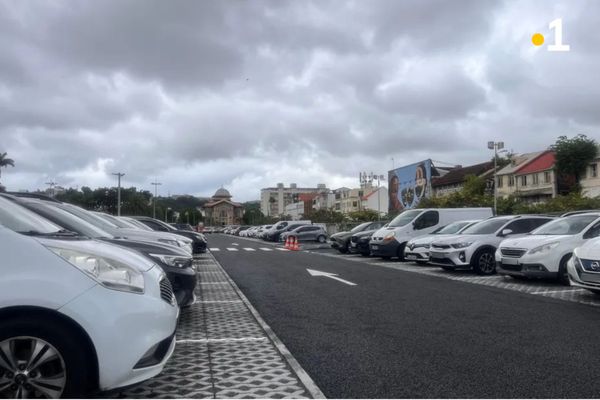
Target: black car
column 341, row 240
column 182, row 227
column 359, row 242
column 176, row 263
column 199, row 240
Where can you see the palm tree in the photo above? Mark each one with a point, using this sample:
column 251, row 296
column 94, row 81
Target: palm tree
column 5, row 162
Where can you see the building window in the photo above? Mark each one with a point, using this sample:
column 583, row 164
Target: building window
column 524, row 180
column 354, row 204
column 594, row 170
column 547, row 177
column 511, row 180
column 500, row 181
column 535, row 179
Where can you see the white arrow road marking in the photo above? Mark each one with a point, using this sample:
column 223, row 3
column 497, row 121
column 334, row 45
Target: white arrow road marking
column 232, row 249
column 314, row 272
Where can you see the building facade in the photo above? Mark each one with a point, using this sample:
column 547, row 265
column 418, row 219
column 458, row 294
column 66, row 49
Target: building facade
column 220, row 210
column 273, row 200
column 454, row 180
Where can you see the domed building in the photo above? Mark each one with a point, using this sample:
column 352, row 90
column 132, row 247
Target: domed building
column 220, row 210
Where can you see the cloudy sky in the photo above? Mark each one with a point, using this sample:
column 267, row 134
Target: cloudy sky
column 245, row 94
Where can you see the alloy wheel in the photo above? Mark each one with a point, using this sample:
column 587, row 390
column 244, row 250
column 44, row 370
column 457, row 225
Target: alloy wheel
column 31, row 368
column 487, row 263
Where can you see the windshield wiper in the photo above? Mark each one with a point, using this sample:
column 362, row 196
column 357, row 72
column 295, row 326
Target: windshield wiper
column 60, row 233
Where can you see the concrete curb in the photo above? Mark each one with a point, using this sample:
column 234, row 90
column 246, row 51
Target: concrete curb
column 309, row 384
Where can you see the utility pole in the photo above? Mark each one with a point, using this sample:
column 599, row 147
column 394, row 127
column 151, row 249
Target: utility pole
column 119, row 175
column 156, row 184
column 495, row 146
column 51, row 184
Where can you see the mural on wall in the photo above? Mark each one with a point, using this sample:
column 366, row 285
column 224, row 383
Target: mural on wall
column 408, row 185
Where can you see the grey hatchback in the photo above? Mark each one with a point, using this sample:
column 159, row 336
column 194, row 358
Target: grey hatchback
column 307, row 233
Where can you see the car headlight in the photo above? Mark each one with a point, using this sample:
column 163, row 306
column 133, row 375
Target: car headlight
column 543, row 248
column 427, row 245
column 389, row 236
column 173, row 261
column 110, row 273
column 461, row 245
column 170, row 242
column 577, row 262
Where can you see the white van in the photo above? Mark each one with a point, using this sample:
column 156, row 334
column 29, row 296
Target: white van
column 390, row 241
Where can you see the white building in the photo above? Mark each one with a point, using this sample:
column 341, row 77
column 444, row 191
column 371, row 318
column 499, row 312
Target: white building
column 295, row 210
column 376, row 200
column 273, row 200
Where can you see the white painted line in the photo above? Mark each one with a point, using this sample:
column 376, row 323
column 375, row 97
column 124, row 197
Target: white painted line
column 281, row 249
column 214, row 283
column 557, row 291
column 234, row 244
column 265, row 249
column 232, row 249
column 224, row 340
column 214, row 249
column 249, row 249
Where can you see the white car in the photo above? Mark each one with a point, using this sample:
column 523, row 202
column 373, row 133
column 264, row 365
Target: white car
column 417, row 249
column 77, row 316
column 544, row 253
column 584, row 266
column 476, row 246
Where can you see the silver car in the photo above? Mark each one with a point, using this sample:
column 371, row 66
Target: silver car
column 307, row 233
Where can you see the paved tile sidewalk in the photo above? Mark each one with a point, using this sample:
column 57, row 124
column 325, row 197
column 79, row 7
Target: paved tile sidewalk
column 225, row 350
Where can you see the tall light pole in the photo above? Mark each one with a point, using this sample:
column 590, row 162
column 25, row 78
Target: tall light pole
column 364, row 179
column 51, row 184
column 495, row 146
column 119, row 175
column 156, row 185
column 166, row 213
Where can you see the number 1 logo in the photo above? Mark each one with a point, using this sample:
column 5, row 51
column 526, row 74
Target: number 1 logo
column 538, row 39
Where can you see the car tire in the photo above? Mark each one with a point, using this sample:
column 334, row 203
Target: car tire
column 563, row 275
column 595, row 291
column 483, row 262
column 400, row 252
column 386, row 258
column 321, row 239
column 344, row 249
column 365, row 254
column 70, row 359
column 420, row 262
column 446, row 268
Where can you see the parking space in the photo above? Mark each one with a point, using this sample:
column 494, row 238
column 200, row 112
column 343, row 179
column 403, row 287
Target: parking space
column 225, row 350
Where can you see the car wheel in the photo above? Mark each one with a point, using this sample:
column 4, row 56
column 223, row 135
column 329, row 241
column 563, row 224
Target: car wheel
column 365, row 254
column 420, row 262
column 595, row 291
column 321, row 239
column 386, row 258
column 41, row 360
column 483, row 262
column 563, row 275
column 446, row 268
column 400, row 252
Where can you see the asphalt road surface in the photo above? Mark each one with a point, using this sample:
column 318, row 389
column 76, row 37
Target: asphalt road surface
column 399, row 334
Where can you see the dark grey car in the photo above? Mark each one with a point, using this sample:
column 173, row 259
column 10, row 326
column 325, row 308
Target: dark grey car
column 307, row 233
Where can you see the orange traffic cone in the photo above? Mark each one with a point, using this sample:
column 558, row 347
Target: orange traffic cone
column 287, row 243
column 295, row 245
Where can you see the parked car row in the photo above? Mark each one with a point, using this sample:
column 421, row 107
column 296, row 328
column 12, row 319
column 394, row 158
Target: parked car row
column 88, row 301
column 304, row 231
column 565, row 248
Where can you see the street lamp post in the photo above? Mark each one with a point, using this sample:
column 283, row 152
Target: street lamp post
column 119, row 175
column 51, row 184
column 156, row 184
column 495, row 146
column 364, row 179
column 166, row 213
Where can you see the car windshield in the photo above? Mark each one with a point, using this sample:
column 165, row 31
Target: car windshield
column 404, row 218
column 68, row 220
column 137, row 224
column 566, row 226
column 486, row 227
column 360, row 227
column 451, row 228
column 22, row 220
column 118, row 222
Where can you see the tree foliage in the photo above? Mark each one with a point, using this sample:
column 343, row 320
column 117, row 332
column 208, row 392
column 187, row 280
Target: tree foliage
column 573, row 156
column 5, row 162
column 363, row 215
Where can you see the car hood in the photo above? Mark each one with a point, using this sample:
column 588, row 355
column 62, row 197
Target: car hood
column 590, row 250
column 531, row 241
column 341, row 235
column 102, row 249
column 149, row 247
column 427, row 239
column 138, row 234
column 458, row 238
column 365, row 233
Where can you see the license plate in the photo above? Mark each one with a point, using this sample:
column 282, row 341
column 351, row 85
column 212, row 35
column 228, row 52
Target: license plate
column 435, row 254
column 410, row 257
column 510, row 261
column 374, row 246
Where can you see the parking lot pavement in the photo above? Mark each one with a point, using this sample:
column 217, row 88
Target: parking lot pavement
column 535, row 287
column 225, row 350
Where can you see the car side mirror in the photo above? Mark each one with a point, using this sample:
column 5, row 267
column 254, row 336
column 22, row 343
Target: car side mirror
column 506, row 232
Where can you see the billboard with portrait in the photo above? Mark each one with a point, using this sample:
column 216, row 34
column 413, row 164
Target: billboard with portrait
column 408, row 185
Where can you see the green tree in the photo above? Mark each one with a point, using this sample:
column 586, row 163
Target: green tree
column 572, row 158
column 5, row 162
column 326, row 216
column 363, row 215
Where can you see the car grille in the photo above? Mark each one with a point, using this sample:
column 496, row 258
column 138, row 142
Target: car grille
column 440, row 246
column 166, row 291
column 510, row 252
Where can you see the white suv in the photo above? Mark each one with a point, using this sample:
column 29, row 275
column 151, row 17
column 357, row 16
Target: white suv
column 77, row 316
column 545, row 252
column 475, row 246
column 584, row 266
column 417, row 249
